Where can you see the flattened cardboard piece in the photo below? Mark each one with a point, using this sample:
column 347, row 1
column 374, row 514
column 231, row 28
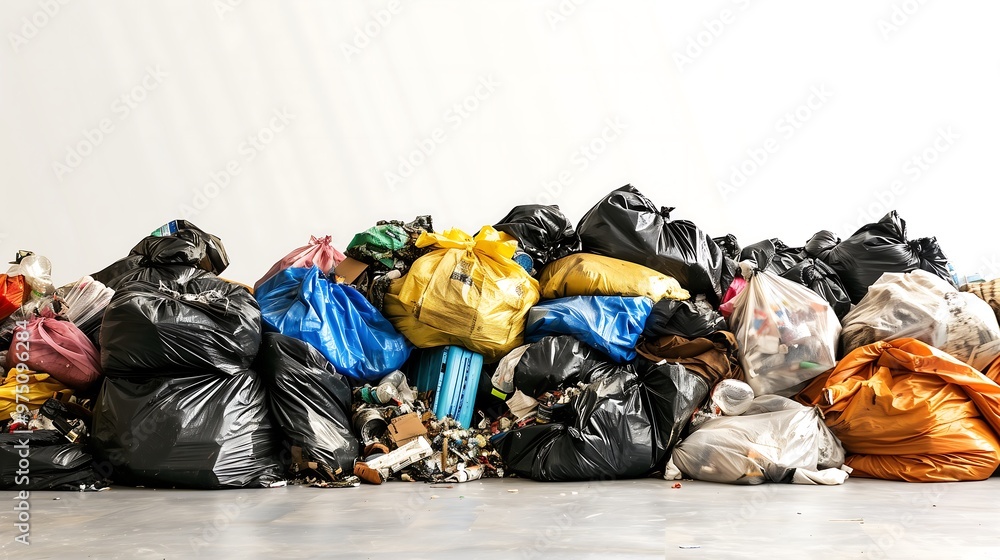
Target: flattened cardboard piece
column 406, row 428
column 350, row 269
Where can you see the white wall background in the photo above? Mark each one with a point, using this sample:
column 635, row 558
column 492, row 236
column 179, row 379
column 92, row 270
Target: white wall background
column 898, row 72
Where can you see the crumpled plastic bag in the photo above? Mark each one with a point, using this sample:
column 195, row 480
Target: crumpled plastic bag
column 787, row 334
column 584, row 274
column 56, row 464
column 205, row 324
column 611, row 324
column 543, row 232
column 310, row 401
column 336, row 319
column 319, row 252
column 691, row 318
column 621, row 426
column 907, row 411
column 11, row 294
column 58, row 348
column 626, row 225
column 769, row 442
column 550, row 363
column 882, row 247
column 208, row 431
column 177, row 252
column 468, row 292
column 40, row 387
column 921, row 305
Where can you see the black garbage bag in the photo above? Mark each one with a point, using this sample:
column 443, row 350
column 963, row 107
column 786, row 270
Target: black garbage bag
column 820, row 244
column 820, row 278
column 622, row 426
column 544, row 232
column 772, row 255
column 176, row 257
column 170, row 328
column 883, row 247
column 208, row 432
column 687, row 318
column 310, row 401
column 627, row 226
column 53, row 462
column 555, row 361
column 729, row 245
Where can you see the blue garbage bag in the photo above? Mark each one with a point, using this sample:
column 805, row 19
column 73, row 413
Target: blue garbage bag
column 335, row 319
column 611, row 324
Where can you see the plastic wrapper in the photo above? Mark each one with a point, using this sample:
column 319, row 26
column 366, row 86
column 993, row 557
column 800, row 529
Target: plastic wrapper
column 336, row 319
column 610, row 324
column 553, row 362
column 171, row 329
column 585, row 274
column 11, row 294
column 58, row 348
column 820, row 278
column 714, row 357
column 988, row 291
column 920, row 305
column 467, row 292
column 320, row 252
column 310, row 401
column 768, row 443
column 543, row 232
column 627, row 226
column 40, row 387
column 186, row 253
column 55, row 464
column 882, row 247
column 207, row 432
column 688, row 318
column 622, row 426
column 906, row 411
column 787, row 334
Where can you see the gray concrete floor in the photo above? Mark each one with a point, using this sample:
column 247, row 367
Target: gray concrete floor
column 514, row 518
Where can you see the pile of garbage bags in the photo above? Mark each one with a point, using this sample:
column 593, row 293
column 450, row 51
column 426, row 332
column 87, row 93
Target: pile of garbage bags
column 629, row 344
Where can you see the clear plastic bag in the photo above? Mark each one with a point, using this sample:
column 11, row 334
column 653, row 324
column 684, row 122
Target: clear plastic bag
column 768, row 443
column 921, row 305
column 37, row 272
column 787, row 334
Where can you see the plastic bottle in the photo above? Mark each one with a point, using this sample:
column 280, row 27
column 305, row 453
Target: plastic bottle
column 954, row 275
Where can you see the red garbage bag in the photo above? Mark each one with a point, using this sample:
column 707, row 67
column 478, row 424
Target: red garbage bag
column 11, row 294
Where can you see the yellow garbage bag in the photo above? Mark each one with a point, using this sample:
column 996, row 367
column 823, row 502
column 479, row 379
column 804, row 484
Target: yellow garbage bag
column 468, row 292
column 583, row 274
column 40, row 386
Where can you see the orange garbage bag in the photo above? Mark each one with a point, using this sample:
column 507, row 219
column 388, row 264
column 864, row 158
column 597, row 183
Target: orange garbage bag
column 907, row 411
